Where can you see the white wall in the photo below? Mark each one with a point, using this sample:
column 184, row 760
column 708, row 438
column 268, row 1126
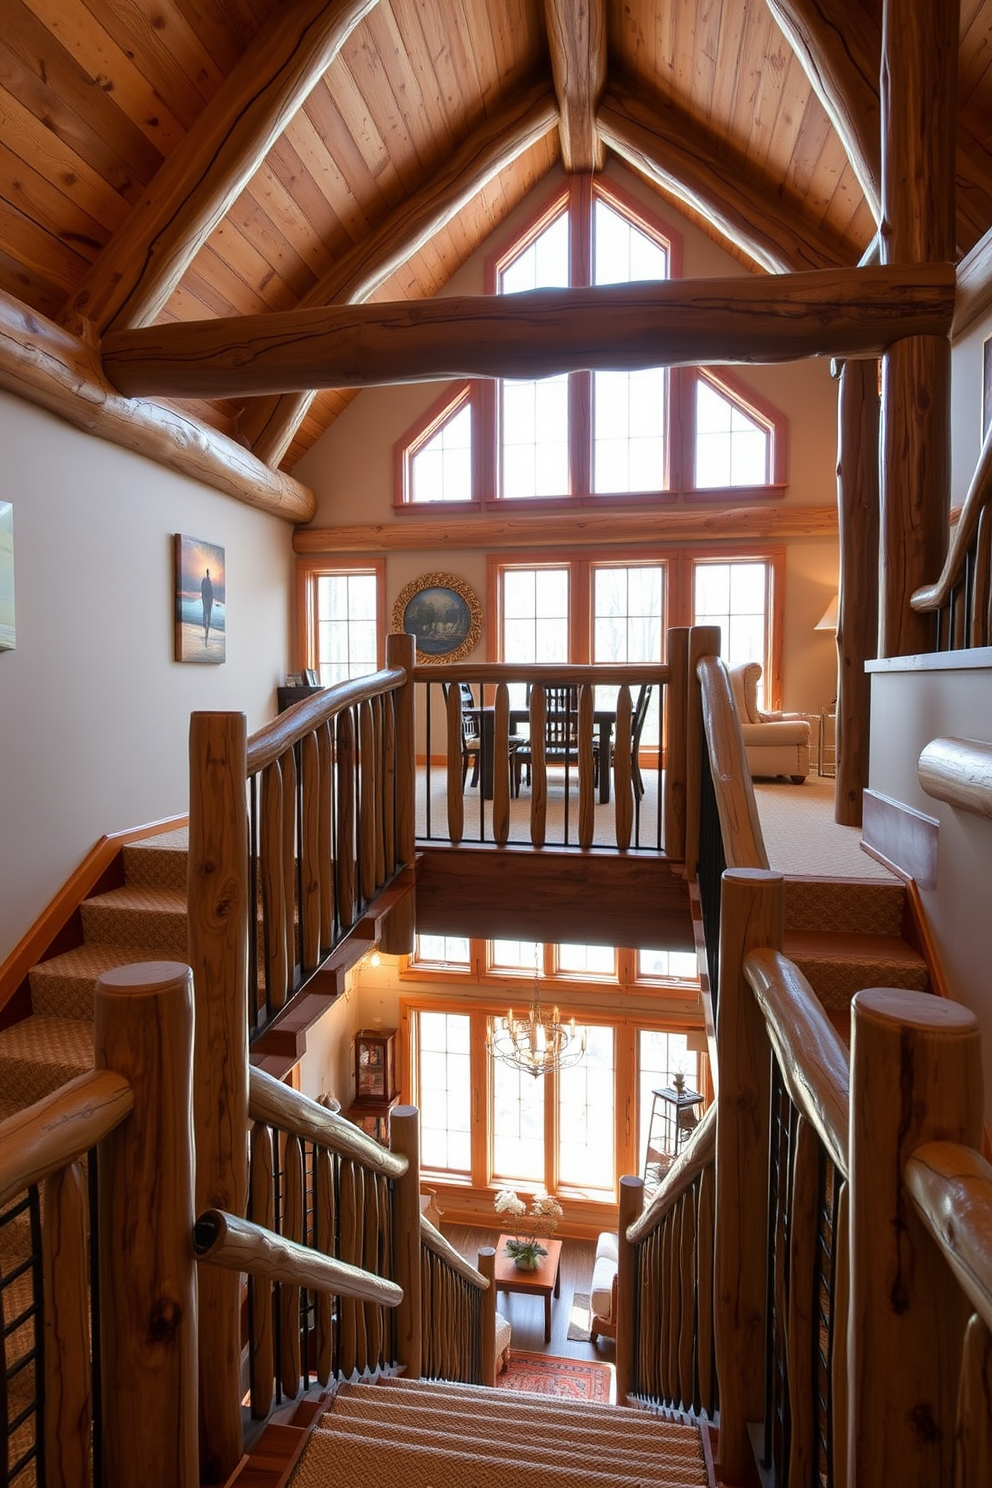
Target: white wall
column 94, row 711
column 350, row 469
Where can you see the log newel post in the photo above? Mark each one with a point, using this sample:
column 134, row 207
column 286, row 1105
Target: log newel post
column 404, row 1139
column 219, row 912
column 704, row 640
column 400, row 652
column 148, row 1285
column 752, row 914
column 486, row 1264
column 915, row 1077
column 631, row 1204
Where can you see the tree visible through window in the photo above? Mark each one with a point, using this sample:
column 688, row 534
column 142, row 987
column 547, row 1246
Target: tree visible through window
column 347, row 634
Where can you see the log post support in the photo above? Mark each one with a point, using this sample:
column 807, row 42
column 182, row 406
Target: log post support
column 404, row 1139
column 148, row 1295
column 671, row 747
column 704, row 640
column 400, row 652
column 857, row 613
column 219, row 914
column 487, row 1265
column 919, row 118
column 915, row 1077
column 631, row 1204
column 751, row 917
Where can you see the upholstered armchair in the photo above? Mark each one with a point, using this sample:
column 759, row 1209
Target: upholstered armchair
column 776, row 743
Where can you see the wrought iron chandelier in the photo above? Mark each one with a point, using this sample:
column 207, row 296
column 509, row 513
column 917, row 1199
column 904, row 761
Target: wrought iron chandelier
column 537, row 1042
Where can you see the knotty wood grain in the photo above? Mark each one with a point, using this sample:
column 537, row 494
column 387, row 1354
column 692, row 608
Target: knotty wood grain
column 577, row 40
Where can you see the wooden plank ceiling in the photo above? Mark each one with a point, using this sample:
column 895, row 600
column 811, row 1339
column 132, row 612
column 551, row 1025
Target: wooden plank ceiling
column 709, row 98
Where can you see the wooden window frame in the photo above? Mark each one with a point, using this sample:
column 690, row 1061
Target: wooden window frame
column 316, row 566
column 760, row 410
column 450, row 403
column 774, row 557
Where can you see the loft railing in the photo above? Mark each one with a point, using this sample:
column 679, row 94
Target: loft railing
column 961, row 598
column 516, row 766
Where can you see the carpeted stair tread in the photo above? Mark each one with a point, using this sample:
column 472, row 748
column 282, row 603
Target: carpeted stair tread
column 158, row 862
column 548, row 1407
column 837, row 966
column 39, row 1054
column 845, row 906
column 395, row 1419
column 472, row 1438
column 152, row 920
column 63, row 987
column 334, row 1458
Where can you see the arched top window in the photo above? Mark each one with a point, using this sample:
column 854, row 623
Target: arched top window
column 588, row 436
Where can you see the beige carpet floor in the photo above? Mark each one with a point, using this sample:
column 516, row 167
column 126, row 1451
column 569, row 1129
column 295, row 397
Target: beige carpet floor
column 797, row 822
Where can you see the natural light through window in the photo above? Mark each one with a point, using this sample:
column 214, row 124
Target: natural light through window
column 442, row 950
column 445, row 1091
column 517, row 1125
column 441, row 470
column 660, row 1056
column 667, row 965
column 732, row 449
column 586, row 1142
column 346, row 626
column 735, row 597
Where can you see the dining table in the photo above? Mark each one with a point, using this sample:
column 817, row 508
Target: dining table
column 604, row 720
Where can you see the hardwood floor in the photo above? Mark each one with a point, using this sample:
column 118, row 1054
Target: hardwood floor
column 526, row 1314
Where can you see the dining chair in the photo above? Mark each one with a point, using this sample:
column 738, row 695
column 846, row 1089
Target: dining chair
column 561, row 732
column 472, row 739
column 637, row 719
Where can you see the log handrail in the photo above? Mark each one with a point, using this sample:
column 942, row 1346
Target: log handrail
column 276, row 1104
column 740, row 826
column 272, row 741
column 47, row 1136
column 951, row 1187
column 432, row 1240
column 958, row 771
column 812, row 1060
column 933, row 596
column 698, row 1154
column 223, row 1239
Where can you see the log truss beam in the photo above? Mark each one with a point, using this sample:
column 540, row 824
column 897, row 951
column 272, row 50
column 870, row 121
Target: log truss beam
column 974, row 285
column 577, row 40
column 767, row 318
column 268, row 426
column 134, row 275
column 675, row 154
column 48, row 365
column 839, row 47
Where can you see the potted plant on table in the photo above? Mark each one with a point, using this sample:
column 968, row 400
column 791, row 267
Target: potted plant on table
column 537, row 1222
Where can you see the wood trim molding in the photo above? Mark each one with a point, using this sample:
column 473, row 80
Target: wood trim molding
column 903, row 839
column 60, row 371
column 573, row 529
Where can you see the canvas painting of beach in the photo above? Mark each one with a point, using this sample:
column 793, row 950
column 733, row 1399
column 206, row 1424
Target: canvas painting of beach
column 201, row 584
column 6, row 576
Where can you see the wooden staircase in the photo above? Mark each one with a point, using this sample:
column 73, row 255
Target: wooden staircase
column 846, row 934
column 143, row 920
column 431, row 1435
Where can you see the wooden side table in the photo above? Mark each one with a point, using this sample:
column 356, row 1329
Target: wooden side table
column 540, row 1283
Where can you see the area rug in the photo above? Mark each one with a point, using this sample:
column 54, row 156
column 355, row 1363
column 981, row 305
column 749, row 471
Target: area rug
column 580, row 1319
column 568, row 1379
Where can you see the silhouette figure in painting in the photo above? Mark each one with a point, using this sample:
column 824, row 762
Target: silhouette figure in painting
column 207, row 596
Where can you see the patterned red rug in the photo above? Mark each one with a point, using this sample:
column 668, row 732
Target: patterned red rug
column 568, row 1379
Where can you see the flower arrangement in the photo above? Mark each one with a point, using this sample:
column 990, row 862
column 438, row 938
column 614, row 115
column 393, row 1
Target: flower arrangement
column 540, row 1220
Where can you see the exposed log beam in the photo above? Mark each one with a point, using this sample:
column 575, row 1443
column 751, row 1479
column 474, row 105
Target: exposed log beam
column 681, row 322
column 676, row 155
column 839, row 46
column 577, row 39
column 974, row 285
column 583, row 528
column 919, row 110
column 268, row 427
column 48, row 365
column 139, row 268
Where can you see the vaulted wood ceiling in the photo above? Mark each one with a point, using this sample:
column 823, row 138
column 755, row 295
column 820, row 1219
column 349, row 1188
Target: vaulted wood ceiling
column 430, row 122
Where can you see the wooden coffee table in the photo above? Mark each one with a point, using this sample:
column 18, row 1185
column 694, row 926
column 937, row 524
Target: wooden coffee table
column 543, row 1282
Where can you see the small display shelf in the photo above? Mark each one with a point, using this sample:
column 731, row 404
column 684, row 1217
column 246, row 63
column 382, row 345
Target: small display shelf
column 375, row 1066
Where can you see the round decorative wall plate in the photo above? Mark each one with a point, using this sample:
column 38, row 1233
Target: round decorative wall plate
column 442, row 614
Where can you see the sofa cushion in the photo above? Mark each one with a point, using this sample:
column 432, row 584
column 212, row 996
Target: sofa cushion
column 603, row 1272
